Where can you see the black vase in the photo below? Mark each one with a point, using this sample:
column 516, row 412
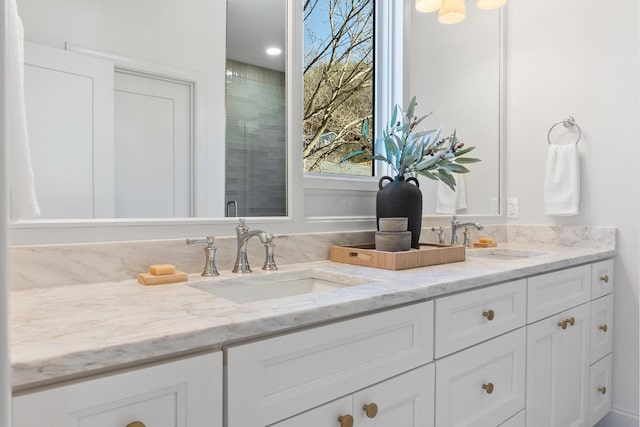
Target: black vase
column 399, row 198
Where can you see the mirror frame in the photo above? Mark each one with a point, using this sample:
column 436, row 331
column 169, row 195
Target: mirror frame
column 37, row 232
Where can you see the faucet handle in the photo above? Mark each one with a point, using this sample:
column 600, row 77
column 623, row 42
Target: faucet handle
column 208, row 240
column 440, row 231
column 210, row 268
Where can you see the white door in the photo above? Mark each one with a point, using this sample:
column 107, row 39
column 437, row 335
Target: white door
column 69, row 106
column 153, row 146
column 558, row 369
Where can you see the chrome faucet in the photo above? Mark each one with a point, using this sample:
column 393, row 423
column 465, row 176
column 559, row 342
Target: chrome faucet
column 243, row 234
column 210, row 269
column 455, row 226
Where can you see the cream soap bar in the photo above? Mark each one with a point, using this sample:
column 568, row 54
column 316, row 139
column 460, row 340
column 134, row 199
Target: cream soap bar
column 162, row 269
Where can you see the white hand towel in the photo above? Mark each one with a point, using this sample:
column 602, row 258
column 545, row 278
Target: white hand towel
column 562, row 180
column 22, row 197
column 448, row 202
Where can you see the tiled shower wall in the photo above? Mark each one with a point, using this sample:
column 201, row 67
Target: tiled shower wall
column 256, row 140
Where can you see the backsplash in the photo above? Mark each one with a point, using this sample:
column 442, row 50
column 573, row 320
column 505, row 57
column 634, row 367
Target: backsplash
column 76, row 264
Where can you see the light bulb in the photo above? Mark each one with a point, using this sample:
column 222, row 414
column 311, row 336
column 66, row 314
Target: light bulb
column 427, row 6
column 491, row 4
column 452, row 12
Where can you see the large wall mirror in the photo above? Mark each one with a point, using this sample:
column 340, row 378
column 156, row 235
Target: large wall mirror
column 157, row 108
column 455, row 71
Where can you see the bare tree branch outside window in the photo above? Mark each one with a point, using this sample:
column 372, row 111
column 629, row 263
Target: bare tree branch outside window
column 338, row 85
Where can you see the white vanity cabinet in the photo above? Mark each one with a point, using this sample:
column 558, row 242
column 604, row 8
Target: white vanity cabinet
column 568, row 341
column 183, row 393
column 277, row 378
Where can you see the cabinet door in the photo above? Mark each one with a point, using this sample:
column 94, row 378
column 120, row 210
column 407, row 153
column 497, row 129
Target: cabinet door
column 551, row 293
column 601, row 327
column 600, row 389
column 404, row 401
column 483, row 385
column 601, row 278
column 558, row 369
column 177, row 394
column 471, row 317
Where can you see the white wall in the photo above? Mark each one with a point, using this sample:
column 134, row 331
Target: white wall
column 580, row 58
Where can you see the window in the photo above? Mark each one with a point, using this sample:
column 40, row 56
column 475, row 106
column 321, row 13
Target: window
column 338, row 85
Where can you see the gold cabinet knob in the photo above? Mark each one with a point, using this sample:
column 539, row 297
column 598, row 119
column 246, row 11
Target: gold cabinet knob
column 605, row 278
column 489, row 314
column 563, row 324
column 346, row 420
column 572, row 321
column 603, row 328
column 602, row 390
column 488, row 387
column 371, row 409
column 136, row 424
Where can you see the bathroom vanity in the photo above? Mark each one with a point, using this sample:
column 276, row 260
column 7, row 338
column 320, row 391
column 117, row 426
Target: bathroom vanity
column 509, row 338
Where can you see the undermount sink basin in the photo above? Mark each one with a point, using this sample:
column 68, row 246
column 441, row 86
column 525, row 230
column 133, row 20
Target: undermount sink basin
column 505, row 254
column 250, row 288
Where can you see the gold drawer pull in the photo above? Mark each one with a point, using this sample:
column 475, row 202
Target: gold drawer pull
column 566, row 322
column 605, row 278
column 371, row 409
column 488, row 388
column 602, row 390
column 489, row 314
column 563, row 324
column 136, row 424
column 603, row 328
column 346, row 420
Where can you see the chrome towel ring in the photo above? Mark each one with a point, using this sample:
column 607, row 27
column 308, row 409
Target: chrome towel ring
column 568, row 123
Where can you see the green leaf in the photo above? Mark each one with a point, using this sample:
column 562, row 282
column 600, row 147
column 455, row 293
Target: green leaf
column 352, row 155
column 421, row 119
column 464, row 151
column 394, row 116
column 427, row 174
column 364, row 131
column 427, row 163
column 390, row 146
column 446, row 177
column 453, row 167
column 380, row 157
column 411, row 107
column 467, row 160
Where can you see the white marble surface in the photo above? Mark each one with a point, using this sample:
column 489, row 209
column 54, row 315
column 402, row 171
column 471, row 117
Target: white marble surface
column 64, row 332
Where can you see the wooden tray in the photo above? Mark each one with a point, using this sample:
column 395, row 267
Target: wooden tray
column 366, row 255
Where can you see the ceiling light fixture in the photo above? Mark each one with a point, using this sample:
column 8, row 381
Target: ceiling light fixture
column 273, row 51
column 454, row 11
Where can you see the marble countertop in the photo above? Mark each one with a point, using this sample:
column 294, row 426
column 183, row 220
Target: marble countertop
column 65, row 332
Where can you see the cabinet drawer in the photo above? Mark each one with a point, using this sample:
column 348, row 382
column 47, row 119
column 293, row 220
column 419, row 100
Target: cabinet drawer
column 177, row 394
column 601, row 327
column 554, row 292
column 483, row 385
column 292, row 373
column 471, row 317
column 601, row 278
column 600, row 389
column 515, row 421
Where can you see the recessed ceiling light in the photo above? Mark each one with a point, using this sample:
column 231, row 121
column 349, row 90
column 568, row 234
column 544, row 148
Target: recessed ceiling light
column 274, row 51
